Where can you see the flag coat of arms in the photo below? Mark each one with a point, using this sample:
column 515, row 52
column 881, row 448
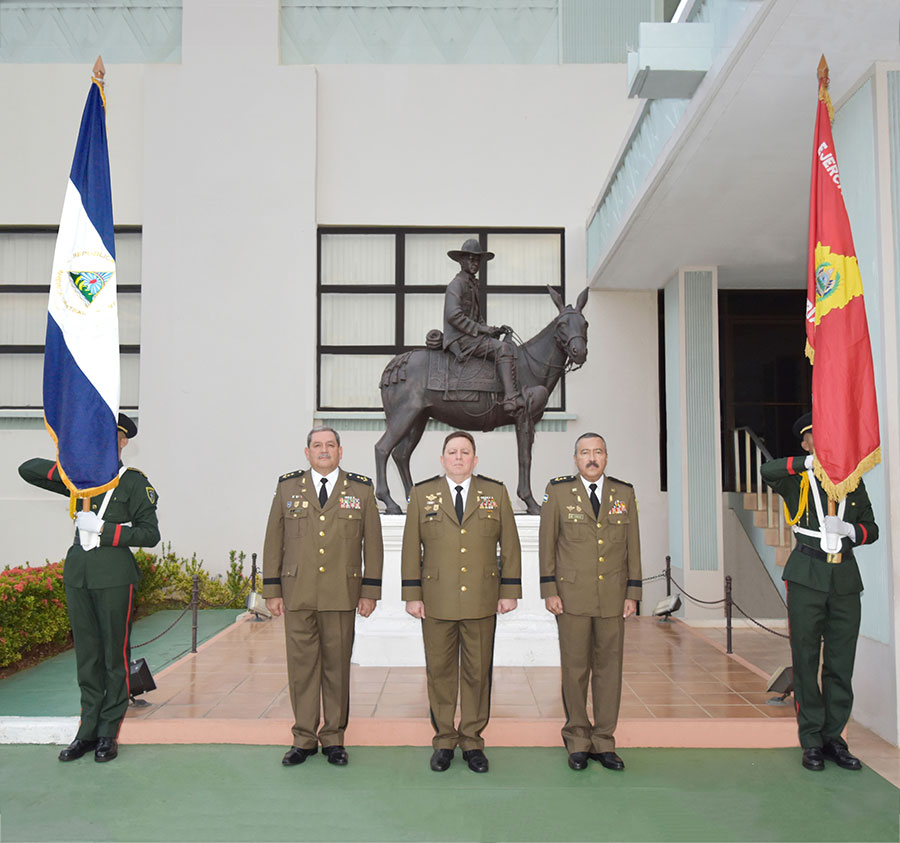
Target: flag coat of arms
column 845, row 409
column 81, row 358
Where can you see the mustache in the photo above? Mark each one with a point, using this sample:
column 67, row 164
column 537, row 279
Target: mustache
column 593, row 464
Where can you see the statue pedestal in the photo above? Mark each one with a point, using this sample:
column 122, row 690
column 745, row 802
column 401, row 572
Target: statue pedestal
column 390, row 637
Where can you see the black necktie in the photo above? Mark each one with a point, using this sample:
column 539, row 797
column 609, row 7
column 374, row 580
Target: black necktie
column 323, row 493
column 459, row 504
column 595, row 501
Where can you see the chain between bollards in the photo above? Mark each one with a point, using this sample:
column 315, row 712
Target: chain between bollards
column 195, row 606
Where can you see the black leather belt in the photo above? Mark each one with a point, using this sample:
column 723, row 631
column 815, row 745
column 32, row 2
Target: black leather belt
column 816, row 553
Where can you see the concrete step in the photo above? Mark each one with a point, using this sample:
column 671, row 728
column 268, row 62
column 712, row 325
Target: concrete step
column 750, row 501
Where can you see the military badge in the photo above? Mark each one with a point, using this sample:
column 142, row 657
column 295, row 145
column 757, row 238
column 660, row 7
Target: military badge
column 570, row 507
column 151, row 494
column 305, row 504
column 618, row 508
column 349, row 502
column 546, row 498
column 575, row 516
column 487, row 502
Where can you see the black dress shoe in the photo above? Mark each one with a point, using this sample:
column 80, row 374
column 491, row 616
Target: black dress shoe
column 107, row 749
column 336, row 755
column 296, row 755
column 841, row 756
column 579, row 760
column 440, row 760
column 609, row 760
column 813, row 758
column 476, row 759
column 76, row 749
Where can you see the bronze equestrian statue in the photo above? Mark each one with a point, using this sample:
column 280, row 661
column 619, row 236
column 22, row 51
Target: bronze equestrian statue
column 455, row 379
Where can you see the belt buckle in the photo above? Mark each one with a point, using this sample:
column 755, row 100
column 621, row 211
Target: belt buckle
column 834, row 558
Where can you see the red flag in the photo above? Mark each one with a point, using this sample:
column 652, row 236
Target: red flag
column 845, row 409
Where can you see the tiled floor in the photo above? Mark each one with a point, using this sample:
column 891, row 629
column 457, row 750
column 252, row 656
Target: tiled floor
column 679, row 689
column 669, row 671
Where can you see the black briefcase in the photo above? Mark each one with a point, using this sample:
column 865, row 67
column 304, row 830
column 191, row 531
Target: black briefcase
column 140, row 680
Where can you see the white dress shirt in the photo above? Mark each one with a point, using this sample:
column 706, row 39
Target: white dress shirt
column 465, row 491
column 330, row 481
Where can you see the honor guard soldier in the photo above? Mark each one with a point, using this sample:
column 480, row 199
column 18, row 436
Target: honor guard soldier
column 100, row 574
column 322, row 563
column 452, row 581
column 590, row 560
column 823, row 600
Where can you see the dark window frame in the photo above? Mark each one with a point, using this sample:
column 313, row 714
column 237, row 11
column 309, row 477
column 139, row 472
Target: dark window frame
column 38, row 348
column 400, row 289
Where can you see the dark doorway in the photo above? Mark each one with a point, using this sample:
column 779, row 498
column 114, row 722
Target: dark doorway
column 765, row 378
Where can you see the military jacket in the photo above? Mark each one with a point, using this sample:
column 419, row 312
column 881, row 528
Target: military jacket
column 784, row 476
column 593, row 564
column 323, row 558
column 129, row 521
column 454, row 567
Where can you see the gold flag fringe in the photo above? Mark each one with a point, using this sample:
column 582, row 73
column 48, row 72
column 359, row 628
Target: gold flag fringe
column 810, row 353
column 838, row 491
column 74, row 493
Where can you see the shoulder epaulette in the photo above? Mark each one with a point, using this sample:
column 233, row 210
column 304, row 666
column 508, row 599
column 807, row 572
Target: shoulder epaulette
column 620, row 482
column 359, row 478
column 290, row 474
column 566, row 478
column 489, row 479
column 132, row 468
column 421, row 482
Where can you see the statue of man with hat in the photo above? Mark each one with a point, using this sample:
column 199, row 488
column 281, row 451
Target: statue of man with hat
column 466, row 334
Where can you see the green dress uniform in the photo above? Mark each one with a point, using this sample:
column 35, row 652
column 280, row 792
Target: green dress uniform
column 452, row 566
column 321, row 561
column 823, row 604
column 100, row 593
column 593, row 565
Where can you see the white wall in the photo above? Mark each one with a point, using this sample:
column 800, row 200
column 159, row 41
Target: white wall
column 230, row 161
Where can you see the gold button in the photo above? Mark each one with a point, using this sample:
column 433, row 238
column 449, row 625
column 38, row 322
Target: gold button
column 321, row 550
column 321, row 518
column 355, row 574
column 601, row 559
column 462, row 550
column 464, row 569
column 350, row 515
column 600, row 576
column 561, row 579
column 321, row 532
column 462, row 532
column 321, row 569
column 463, row 588
column 599, row 541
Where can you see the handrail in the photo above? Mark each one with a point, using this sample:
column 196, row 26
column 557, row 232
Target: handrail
column 754, row 446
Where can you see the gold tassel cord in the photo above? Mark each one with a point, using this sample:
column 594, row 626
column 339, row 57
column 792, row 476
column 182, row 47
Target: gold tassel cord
column 804, row 502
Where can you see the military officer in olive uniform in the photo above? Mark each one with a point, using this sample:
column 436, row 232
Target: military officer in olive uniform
column 452, row 581
column 590, row 560
column 823, row 600
column 100, row 575
column 323, row 525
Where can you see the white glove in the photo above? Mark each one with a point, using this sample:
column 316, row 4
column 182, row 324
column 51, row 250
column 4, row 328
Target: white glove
column 89, row 522
column 837, row 527
column 808, row 462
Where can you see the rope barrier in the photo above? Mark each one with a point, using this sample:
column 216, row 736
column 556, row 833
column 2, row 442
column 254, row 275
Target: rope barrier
column 696, row 599
column 135, row 646
column 761, row 626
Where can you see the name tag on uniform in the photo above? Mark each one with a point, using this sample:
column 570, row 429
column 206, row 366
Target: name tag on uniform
column 575, row 516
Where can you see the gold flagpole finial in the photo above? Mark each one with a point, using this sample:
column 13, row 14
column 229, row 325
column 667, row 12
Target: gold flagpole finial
column 99, row 70
column 822, row 71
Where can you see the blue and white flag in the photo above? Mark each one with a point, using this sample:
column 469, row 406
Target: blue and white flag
column 81, row 360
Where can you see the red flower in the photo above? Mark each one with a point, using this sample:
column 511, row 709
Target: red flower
column 19, row 586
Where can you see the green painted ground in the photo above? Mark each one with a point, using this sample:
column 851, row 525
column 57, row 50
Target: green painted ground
column 237, row 793
column 49, row 688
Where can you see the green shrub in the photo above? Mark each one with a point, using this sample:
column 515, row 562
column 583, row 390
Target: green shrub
column 32, row 610
column 33, row 600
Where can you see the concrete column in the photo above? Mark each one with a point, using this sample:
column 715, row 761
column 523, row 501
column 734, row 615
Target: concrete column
column 693, row 434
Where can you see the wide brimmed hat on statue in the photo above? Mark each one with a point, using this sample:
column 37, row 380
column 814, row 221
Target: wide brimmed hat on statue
column 470, row 247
